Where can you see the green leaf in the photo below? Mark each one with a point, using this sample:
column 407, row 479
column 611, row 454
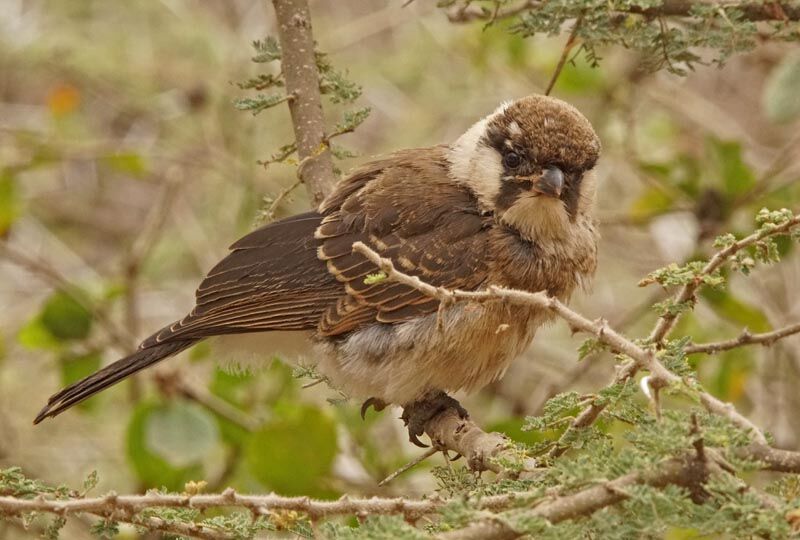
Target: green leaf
column 294, row 452
column 652, row 202
column 580, row 77
column 181, row 432
column 10, row 204
column 513, row 429
column 780, row 98
column 377, row 277
column 267, row 50
column 65, row 318
column 151, row 469
column 729, row 307
column 35, row 335
column 730, row 375
column 590, row 346
column 235, row 388
column 127, row 163
column 735, row 175
column 77, row 366
column 259, row 103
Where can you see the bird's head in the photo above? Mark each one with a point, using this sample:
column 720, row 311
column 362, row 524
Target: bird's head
column 531, row 163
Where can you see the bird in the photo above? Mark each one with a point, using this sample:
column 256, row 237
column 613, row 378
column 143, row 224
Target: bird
column 509, row 203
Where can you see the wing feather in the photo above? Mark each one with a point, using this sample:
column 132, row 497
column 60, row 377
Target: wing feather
column 271, row 280
column 412, row 213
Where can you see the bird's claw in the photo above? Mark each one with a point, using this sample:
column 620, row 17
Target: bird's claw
column 375, row 403
column 417, row 414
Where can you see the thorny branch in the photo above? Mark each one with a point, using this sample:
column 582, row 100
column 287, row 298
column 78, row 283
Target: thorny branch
column 128, row 508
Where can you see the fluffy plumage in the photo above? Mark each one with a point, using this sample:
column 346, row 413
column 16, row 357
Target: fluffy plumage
column 464, row 216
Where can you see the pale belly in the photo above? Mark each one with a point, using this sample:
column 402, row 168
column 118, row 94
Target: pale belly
column 400, row 363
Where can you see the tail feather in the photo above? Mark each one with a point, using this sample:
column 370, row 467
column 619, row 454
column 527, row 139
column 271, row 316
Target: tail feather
column 108, row 376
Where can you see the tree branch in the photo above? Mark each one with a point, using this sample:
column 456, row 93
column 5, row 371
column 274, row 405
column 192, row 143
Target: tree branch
column 467, row 11
column 299, row 67
column 745, row 338
column 686, row 294
column 689, row 472
column 128, row 508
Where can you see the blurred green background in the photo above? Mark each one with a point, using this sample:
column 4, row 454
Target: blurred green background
column 125, row 171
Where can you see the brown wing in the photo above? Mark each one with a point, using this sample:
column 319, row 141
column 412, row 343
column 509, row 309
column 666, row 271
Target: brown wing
column 271, row 280
column 410, row 211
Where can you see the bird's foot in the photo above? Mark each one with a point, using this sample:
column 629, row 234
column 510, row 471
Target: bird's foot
column 417, row 414
column 375, row 403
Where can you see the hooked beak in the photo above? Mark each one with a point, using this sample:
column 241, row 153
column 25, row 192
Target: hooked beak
column 550, row 183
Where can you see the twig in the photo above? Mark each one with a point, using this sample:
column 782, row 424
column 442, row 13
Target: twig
column 269, row 214
column 299, row 67
column 564, row 53
column 667, row 321
column 411, row 464
column 175, row 383
column 468, row 13
column 745, row 338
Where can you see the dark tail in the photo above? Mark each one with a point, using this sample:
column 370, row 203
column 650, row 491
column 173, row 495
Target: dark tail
column 110, row 375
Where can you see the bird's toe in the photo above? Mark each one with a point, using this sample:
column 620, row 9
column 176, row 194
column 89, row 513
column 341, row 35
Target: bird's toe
column 375, row 403
column 416, row 415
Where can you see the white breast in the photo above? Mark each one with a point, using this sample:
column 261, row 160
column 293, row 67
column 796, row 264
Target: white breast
column 400, row 363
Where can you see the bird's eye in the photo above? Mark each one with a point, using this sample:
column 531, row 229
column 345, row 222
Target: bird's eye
column 512, row 160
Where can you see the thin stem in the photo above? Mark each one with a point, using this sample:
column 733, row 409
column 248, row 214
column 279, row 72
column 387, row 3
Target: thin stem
column 745, row 338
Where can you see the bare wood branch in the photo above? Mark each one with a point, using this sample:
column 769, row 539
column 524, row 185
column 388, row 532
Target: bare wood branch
column 130, row 505
column 690, row 471
column 774, row 459
column 300, row 71
column 745, row 338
